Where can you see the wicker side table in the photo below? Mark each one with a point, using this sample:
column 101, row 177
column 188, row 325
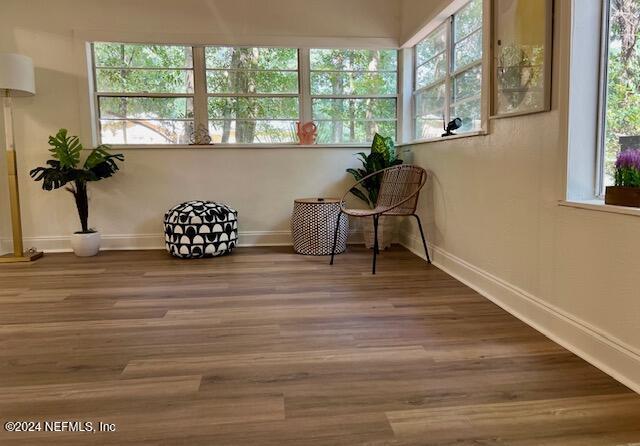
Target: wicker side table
column 313, row 225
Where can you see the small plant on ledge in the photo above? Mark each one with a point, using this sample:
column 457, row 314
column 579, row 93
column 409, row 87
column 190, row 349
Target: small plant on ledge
column 626, row 192
column 382, row 156
column 65, row 170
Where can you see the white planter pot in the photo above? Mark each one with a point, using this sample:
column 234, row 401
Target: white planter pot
column 85, row 245
column 386, row 231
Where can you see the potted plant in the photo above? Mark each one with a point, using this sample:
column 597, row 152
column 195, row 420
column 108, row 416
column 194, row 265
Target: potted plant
column 65, row 169
column 626, row 192
column 383, row 155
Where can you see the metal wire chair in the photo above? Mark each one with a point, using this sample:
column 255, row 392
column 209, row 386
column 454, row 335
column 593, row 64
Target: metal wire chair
column 398, row 196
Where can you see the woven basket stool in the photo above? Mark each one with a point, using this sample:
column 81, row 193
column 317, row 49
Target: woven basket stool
column 313, row 226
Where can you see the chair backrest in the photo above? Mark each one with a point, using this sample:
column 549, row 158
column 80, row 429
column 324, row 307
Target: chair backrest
column 400, row 188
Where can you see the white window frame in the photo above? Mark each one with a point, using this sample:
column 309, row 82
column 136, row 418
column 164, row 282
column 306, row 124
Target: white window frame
column 200, row 94
column 209, row 94
column 446, row 80
column 454, row 73
column 396, row 96
column 446, row 18
column 579, row 125
column 197, row 77
column 603, row 100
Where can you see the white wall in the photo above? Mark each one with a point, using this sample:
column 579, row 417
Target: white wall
column 495, row 221
column 128, row 209
column 415, row 14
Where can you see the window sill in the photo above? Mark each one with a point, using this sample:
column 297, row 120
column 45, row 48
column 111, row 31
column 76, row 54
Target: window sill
column 235, row 146
column 442, row 138
column 599, row 206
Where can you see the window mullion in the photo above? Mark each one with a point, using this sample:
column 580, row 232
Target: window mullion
column 404, row 100
column 252, row 95
column 200, row 106
column 95, row 122
column 304, row 76
column 602, row 102
column 470, row 66
column 471, row 34
column 448, row 79
column 431, row 59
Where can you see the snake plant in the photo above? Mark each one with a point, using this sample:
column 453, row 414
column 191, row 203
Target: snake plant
column 382, row 155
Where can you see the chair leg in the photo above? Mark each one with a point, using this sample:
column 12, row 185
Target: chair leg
column 375, row 242
column 376, row 246
column 424, row 240
column 335, row 237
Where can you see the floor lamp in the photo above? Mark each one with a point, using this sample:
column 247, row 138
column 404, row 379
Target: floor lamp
column 16, row 79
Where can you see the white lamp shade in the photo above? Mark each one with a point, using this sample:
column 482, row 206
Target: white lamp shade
column 16, row 74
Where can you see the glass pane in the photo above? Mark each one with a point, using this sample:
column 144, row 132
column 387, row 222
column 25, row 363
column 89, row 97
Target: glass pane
column 430, row 127
column 521, row 88
column 515, row 78
column 432, row 71
column 116, row 80
column 252, row 131
column 333, row 83
column 254, row 108
column 334, row 132
column 354, row 60
column 467, row 20
column 622, row 119
column 467, row 84
column 434, row 44
column 119, row 131
column 224, row 81
column 430, row 103
column 513, row 101
column 520, row 38
column 119, row 55
column 224, row 57
column 354, row 109
column 145, row 108
column 469, row 112
column 468, row 51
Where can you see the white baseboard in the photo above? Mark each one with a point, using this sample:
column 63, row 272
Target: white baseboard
column 5, row 246
column 603, row 350
column 156, row 241
column 62, row 243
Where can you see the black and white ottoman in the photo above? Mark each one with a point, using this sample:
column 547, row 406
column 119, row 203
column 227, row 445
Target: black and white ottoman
column 198, row 229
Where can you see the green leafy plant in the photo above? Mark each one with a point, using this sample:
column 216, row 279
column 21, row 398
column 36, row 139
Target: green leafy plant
column 382, row 156
column 65, row 169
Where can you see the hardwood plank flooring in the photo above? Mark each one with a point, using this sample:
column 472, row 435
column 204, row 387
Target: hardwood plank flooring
column 265, row 347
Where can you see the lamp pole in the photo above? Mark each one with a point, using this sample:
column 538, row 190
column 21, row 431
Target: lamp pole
column 16, row 76
column 12, row 167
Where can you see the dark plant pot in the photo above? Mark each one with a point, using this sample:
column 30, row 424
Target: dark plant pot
column 622, row 196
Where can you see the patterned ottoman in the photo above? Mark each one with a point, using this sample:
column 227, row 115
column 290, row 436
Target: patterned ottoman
column 198, row 229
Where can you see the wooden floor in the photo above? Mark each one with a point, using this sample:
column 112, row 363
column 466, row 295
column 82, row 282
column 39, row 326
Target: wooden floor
column 265, row 347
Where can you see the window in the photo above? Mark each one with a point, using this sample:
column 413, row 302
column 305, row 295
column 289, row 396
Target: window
column 448, row 74
column 253, row 94
column 430, row 84
column 144, row 93
column 172, row 94
column 621, row 104
column 353, row 94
